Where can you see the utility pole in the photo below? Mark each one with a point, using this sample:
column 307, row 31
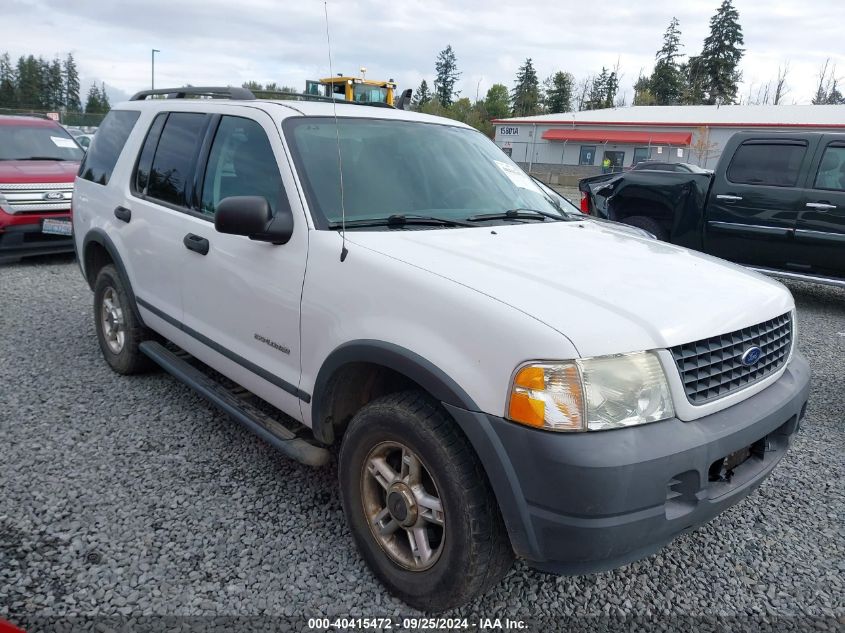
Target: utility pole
column 153, row 67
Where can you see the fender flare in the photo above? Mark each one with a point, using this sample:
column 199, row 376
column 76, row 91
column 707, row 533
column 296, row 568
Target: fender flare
column 458, row 404
column 99, row 236
column 410, row 364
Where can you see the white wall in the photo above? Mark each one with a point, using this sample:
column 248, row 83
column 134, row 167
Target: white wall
column 705, row 153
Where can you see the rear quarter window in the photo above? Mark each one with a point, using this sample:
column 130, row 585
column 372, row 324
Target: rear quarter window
column 99, row 162
column 768, row 164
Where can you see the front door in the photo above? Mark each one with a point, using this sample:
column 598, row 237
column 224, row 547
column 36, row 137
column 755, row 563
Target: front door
column 616, row 159
column 820, row 232
column 242, row 297
column 751, row 210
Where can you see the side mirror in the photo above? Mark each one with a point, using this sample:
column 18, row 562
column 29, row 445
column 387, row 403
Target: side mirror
column 251, row 216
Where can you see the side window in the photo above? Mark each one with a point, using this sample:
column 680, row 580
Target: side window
column 831, row 173
column 772, row 164
column 145, row 159
column 99, row 161
column 241, row 163
column 173, row 164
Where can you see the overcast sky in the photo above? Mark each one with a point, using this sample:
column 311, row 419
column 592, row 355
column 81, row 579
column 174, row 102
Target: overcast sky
column 213, row 42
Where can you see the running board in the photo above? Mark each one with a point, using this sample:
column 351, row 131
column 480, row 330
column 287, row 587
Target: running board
column 815, row 279
column 264, row 426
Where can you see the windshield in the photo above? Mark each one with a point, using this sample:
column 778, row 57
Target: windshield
column 20, row 142
column 369, row 94
column 407, row 167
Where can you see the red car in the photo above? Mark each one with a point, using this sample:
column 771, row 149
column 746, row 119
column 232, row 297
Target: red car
column 38, row 162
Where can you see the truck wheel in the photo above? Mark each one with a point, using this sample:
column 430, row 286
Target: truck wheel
column 118, row 331
column 649, row 224
column 419, row 505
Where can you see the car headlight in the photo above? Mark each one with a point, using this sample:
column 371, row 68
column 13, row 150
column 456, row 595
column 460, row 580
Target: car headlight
column 605, row 392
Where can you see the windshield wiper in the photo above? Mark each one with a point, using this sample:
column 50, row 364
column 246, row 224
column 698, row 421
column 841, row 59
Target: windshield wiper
column 517, row 214
column 400, row 220
column 41, row 158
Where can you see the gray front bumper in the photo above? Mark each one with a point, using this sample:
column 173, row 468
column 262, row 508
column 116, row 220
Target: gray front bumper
column 586, row 502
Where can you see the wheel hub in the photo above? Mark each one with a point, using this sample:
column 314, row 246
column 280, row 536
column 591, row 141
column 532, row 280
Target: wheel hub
column 401, row 505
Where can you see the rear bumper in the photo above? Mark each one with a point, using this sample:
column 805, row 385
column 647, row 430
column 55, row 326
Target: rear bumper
column 588, row 502
column 21, row 236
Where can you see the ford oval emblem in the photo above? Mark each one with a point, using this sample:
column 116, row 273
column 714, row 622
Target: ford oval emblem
column 54, row 195
column 751, row 356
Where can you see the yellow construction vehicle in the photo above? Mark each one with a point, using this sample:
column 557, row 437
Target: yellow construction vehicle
column 353, row 89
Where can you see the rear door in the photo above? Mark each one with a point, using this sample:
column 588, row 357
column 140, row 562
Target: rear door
column 752, row 209
column 160, row 189
column 820, row 232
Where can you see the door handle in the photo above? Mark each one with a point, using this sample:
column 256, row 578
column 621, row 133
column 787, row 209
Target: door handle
column 196, row 243
column 731, row 198
column 123, row 214
column 821, row 206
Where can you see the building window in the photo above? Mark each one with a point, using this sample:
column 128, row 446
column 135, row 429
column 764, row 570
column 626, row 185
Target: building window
column 641, row 154
column 588, row 155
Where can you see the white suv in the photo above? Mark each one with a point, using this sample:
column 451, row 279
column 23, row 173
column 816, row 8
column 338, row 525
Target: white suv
column 502, row 378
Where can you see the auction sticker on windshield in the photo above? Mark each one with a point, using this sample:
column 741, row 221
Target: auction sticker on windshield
column 56, row 227
column 64, row 143
column 516, row 175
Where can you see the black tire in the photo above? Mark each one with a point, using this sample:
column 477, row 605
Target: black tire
column 649, row 224
column 476, row 552
column 129, row 359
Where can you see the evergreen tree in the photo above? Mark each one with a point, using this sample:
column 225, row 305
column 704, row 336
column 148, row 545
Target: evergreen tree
column 71, row 89
column 526, row 93
column 93, row 103
column 29, row 83
column 497, row 102
column 56, row 85
column 559, row 89
column 642, row 91
column 603, row 90
column 421, row 96
column 8, row 83
column 447, row 75
column 105, row 105
column 721, row 55
column 253, row 85
column 666, row 82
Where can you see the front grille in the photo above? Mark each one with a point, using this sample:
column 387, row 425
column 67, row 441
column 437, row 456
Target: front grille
column 712, row 368
column 36, row 197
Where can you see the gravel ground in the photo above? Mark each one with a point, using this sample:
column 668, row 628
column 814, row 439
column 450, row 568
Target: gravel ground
column 132, row 497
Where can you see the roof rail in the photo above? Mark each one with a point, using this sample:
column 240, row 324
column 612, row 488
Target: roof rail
column 277, row 95
column 214, row 92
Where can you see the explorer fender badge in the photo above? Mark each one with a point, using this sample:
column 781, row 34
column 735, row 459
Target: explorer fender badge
column 751, row 356
column 272, row 344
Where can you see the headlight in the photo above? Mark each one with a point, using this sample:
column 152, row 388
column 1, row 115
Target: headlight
column 606, row 392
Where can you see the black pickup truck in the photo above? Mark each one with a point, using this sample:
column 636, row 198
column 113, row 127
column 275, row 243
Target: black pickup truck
column 776, row 203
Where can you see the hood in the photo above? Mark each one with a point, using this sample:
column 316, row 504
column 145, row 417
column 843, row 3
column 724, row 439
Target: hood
column 38, row 171
column 606, row 290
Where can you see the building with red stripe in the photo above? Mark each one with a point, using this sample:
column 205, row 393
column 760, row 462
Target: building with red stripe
column 571, row 145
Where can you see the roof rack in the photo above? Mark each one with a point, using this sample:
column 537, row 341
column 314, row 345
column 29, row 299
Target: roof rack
column 213, row 92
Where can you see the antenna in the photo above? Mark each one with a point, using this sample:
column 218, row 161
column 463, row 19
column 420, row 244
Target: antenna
column 343, row 250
